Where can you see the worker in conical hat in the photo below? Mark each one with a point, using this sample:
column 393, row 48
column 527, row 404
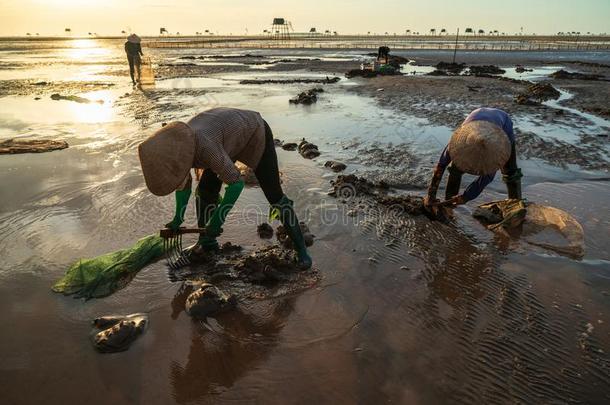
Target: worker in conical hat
column 212, row 141
column 133, row 49
column 482, row 145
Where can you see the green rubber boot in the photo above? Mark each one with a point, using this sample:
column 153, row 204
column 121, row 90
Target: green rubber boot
column 291, row 223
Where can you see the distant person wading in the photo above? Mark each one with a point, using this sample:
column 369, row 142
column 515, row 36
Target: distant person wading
column 133, row 49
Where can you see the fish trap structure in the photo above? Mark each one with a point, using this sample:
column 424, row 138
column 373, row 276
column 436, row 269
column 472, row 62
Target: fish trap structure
column 281, row 29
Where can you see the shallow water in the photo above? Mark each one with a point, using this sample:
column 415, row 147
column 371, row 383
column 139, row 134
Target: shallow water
column 407, row 310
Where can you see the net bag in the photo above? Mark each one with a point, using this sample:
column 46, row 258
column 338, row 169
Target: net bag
column 103, row 275
column 538, row 225
column 147, row 75
column 554, row 229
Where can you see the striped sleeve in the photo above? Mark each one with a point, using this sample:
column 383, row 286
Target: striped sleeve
column 222, row 165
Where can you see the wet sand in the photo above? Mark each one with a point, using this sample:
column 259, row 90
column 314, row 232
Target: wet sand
column 405, row 310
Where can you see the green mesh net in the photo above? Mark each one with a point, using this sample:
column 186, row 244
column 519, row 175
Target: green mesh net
column 103, row 275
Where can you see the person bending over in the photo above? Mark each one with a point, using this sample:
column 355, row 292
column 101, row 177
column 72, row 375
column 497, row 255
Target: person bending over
column 482, row 145
column 212, row 141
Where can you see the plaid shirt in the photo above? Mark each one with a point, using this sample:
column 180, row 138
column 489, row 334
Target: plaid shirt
column 225, row 135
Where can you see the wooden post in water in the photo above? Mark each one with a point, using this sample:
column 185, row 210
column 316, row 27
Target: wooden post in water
column 457, row 35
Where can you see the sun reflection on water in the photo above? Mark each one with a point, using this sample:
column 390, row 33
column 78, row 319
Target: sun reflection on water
column 86, row 49
column 94, row 112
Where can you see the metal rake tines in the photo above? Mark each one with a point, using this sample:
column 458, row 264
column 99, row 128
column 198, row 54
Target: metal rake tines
column 172, row 245
column 173, row 252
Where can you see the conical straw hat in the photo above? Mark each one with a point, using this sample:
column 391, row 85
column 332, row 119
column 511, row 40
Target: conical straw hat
column 134, row 38
column 479, row 148
column 166, row 157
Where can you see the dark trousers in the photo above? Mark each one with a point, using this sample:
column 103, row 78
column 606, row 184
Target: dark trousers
column 455, row 176
column 267, row 173
column 135, row 63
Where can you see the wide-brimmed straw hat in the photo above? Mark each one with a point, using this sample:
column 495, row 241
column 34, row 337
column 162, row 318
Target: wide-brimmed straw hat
column 479, row 148
column 134, row 38
column 167, row 157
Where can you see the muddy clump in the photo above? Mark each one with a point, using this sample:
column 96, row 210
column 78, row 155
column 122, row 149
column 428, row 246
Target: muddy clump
column 264, row 231
column 116, row 333
column 349, row 188
column 285, row 240
column 562, row 74
column 14, row 146
column 537, row 93
column 308, row 150
column 447, row 69
column 522, row 69
column 327, row 80
column 291, row 146
column 268, row 266
column 307, row 97
column 485, row 70
column 76, row 99
column 366, row 73
column 207, row 300
column 335, row 166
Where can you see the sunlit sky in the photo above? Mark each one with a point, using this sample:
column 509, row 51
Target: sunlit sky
column 110, row 17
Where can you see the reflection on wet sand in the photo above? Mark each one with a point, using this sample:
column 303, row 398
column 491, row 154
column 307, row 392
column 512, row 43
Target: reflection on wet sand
column 221, row 354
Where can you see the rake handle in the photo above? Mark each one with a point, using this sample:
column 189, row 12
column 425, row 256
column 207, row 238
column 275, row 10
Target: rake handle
column 170, row 233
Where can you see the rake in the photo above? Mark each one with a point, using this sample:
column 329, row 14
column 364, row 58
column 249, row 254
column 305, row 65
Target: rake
column 172, row 245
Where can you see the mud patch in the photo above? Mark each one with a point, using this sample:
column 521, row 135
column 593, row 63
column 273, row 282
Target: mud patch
column 366, row 73
column 588, row 154
column 307, row 97
column 348, row 189
column 397, row 165
column 31, row 87
column 268, row 272
column 327, row 80
column 537, row 93
column 485, row 70
column 14, row 146
column 76, row 99
column 450, row 68
column 562, row 74
column 290, row 146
